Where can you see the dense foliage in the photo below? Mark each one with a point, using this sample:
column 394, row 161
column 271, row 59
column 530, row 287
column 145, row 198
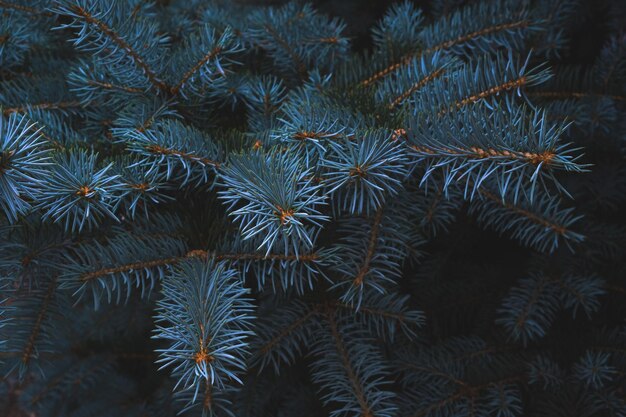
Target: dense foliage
column 215, row 208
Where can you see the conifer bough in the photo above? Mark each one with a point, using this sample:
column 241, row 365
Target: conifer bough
column 218, row 209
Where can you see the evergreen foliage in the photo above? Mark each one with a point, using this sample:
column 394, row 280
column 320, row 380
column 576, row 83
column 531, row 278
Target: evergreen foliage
column 214, row 208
